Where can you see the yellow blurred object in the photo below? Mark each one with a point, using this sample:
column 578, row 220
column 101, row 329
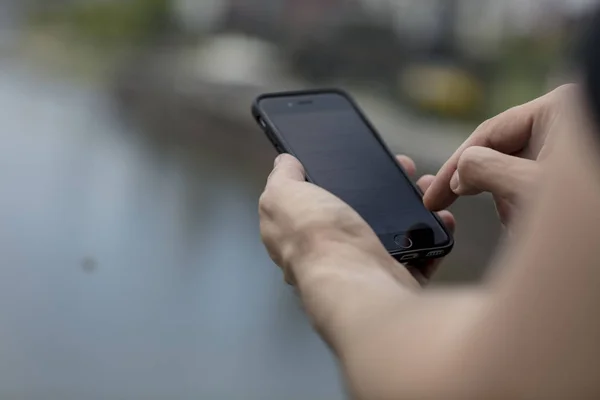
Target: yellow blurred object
column 449, row 91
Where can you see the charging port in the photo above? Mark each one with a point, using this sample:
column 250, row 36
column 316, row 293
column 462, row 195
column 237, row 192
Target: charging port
column 409, row 257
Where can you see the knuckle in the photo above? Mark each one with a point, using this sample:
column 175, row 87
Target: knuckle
column 565, row 90
column 484, row 126
column 563, row 93
column 265, row 237
column 470, row 159
column 265, row 203
column 486, row 131
column 274, row 175
column 271, row 239
column 490, row 127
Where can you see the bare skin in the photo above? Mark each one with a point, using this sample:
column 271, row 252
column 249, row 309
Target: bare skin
column 529, row 331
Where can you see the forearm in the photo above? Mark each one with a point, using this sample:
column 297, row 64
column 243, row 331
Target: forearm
column 418, row 350
column 393, row 341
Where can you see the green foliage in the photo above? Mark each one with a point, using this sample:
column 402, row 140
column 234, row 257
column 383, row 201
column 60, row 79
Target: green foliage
column 111, row 22
column 522, row 70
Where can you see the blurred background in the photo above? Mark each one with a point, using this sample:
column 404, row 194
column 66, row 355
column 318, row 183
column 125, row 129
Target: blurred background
column 130, row 168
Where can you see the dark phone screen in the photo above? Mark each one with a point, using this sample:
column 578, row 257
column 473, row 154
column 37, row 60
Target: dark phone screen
column 343, row 156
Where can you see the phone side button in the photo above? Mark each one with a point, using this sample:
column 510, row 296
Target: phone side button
column 272, row 139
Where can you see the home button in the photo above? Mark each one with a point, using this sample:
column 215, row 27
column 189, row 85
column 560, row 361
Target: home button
column 403, row 242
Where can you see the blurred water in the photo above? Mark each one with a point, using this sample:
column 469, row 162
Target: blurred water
column 134, row 270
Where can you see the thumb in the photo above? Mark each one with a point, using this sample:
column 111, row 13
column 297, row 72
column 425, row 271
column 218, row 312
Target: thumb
column 287, row 167
column 481, row 169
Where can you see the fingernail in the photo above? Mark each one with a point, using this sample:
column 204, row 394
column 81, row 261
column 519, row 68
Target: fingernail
column 278, row 160
column 455, row 182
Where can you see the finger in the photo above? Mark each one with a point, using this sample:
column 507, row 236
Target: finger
column 287, row 168
column 408, row 164
column 445, row 216
column 430, row 267
column 425, row 182
column 507, row 133
column 424, row 272
column 485, row 170
column 448, row 219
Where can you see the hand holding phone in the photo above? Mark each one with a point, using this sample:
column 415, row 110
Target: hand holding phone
column 342, row 153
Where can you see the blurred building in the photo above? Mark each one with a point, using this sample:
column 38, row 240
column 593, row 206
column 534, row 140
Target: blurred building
column 263, row 17
column 477, row 26
column 205, row 15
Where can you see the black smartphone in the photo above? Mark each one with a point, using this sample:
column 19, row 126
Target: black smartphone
column 343, row 153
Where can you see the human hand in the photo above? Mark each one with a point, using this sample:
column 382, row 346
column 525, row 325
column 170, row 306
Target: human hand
column 503, row 155
column 302, row 224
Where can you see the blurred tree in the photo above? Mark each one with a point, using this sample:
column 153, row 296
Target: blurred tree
column 110, row 22
column 522, row 70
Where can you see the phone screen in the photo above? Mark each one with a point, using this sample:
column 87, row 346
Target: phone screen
column 342, row 155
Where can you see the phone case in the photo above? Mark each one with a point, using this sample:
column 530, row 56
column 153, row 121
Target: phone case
column 416, row 257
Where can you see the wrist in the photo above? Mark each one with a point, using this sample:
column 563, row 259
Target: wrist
column 327, row 255
column 343, row 289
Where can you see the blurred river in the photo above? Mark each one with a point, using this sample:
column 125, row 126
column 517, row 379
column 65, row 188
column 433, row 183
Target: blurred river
column 133, row 269
column 131, row 265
